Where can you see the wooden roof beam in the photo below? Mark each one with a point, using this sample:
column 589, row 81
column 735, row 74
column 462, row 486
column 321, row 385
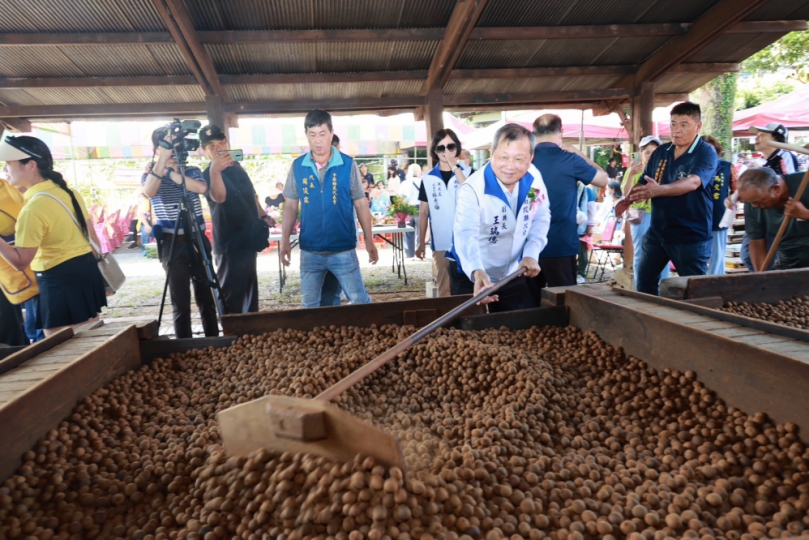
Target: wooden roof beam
column 576, row 100
column 461, row 23
column 339, row 78
column 708, row 27
column 231, row 37
column 535, row 98
column 186, row 27
column 179, row 24
column 102, row 109
column 185, row 50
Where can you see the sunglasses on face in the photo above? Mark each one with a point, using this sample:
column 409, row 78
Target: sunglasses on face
column 441, row 148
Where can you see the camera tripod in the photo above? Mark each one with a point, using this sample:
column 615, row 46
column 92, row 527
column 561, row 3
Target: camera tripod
column 195, row 245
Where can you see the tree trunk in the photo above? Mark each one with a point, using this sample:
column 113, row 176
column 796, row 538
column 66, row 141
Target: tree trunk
column 717, row 101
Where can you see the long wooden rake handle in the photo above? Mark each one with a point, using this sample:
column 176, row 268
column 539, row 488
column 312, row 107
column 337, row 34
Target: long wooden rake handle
column 358, row 375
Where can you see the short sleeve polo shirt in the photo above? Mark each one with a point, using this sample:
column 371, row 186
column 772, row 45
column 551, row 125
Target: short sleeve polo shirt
column 687, row 218
column 560, row 171
column 43, row 223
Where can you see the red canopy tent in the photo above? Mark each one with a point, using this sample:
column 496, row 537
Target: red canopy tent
column 792, row 110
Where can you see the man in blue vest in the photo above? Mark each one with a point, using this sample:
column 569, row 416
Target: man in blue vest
column 501, row 221
column 327, row 186
column 678, row 179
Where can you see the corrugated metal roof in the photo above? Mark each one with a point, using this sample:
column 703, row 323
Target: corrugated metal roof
column 322, row 57
column 347, row 57
column 523, row 13
column 322, row 14
column 289, row 92
column 90, row 96
column 776, row 10
column 35, row 62
column 631, row 50
column 527, row 86
column 79, row 16
column 734, row 47
column 555, row 52
column 120, row 60
column 675, row 83
column 675, row 11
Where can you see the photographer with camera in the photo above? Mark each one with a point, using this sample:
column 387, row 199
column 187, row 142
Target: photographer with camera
column 240, row 225
column 163, row 184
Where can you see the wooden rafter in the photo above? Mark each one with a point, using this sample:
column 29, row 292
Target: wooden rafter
column 340, row 78
column 185, row 50
column 232, row 37
column 461, row 23
column 348, row 104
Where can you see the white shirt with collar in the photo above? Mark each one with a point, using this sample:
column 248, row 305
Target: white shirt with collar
column 491, row 232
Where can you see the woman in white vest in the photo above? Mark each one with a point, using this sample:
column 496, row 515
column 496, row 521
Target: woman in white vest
column 502, row 220
column 438, row 193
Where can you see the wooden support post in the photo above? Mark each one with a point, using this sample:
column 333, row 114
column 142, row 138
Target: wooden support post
column 643, row 102
column 434, row 115
column 647, row 105
column 216, row 112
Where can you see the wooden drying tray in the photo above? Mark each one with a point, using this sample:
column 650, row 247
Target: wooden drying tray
column 748, row 368
column 41, row 384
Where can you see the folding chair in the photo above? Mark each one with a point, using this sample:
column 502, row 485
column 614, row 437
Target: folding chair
column 605, row 249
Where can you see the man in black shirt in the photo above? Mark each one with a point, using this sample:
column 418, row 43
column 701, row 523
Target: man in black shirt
column 613, row 171
column 234, row 208
column 365, row 176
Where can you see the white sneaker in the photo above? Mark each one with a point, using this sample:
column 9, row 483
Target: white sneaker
column 580, row 280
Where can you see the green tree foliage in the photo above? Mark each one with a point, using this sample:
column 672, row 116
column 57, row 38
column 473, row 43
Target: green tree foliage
column 790, row 52
column 753, row 95
column 717, row 99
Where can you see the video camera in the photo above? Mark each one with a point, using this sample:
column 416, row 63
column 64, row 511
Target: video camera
column 180, row 141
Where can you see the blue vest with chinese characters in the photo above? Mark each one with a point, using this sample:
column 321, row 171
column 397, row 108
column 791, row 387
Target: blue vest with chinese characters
column 719, row 191
column 327, row 211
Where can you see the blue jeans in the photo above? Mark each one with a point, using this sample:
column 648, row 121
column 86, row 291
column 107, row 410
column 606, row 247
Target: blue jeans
column 638, row 232
column 344, row 266
column 330, row 293
column 718, row 244
column 689, row 259
column 144, row 239
column 31, row 307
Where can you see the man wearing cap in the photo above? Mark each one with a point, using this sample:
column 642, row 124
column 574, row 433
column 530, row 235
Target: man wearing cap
column 562, row 167
column 365, row 176
column 678, row 180
column 779, row 160
column 234, row 212
column 768, row 198
column 326, row 184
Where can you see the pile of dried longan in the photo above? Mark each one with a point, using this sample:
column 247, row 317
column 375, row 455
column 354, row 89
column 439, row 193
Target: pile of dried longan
column 541, row 433
column 794, row 312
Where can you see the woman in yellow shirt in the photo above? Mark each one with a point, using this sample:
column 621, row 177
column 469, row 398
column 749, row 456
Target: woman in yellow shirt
column 52, row 236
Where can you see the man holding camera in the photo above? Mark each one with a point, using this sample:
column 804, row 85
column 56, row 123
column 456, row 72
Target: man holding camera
column 235, row 214
column 163, row 184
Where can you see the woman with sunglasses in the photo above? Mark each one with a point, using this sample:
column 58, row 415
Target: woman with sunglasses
column 437, row 195
column 52, row 236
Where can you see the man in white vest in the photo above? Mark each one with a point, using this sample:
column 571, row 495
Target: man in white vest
column 502, row 219
column 438, row 192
